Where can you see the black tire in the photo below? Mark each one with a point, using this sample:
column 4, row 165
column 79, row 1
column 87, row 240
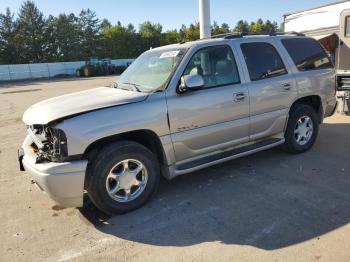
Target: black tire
column 104, row 161
column 298, row 111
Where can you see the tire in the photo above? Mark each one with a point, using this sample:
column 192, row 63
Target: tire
column 305, row 114
column 86, row 72
column 113, row 158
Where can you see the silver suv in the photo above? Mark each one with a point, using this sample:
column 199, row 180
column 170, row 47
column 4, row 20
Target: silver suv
column 177, row 109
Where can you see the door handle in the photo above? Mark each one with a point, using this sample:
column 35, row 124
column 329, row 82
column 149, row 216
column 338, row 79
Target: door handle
column 287, row 86
column 237, row 97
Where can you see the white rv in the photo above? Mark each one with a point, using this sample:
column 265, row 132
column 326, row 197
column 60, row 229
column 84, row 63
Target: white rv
column 330, row 25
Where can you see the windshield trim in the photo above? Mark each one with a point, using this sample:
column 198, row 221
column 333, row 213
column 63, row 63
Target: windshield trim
column 172, row 73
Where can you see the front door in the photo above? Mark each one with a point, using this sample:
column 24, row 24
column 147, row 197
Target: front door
column 212, row 118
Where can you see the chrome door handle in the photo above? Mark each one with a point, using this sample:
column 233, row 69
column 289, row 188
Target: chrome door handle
column 238, row 97
column 287, row 86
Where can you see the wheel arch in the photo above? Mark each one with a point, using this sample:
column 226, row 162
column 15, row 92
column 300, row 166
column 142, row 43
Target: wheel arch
column 145, row 137
column 314, row 101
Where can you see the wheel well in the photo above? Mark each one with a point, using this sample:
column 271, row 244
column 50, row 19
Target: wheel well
column 314, row 101
column 146, row 138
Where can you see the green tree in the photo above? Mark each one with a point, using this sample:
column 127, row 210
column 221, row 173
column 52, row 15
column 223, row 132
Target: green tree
column 50, row 46
column 256, row 27
column 29, row 38
column 218, row 30
column 170, row 37
column 281, row 27
column 151, row 33
column 8, row 52
column 120, row 42
column 269, row 27
column 105, row 24
column 241, row 27
column 190, row 33
column 90, row 27
column 67, row 37
column 68, row 33
column 131, row 28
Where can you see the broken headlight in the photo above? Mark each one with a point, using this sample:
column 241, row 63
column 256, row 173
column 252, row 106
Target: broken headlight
column 49, row 143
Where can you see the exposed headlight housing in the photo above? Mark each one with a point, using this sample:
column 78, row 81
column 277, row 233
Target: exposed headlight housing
column 49, row 143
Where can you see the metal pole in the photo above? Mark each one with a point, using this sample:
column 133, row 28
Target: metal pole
column 204, row 18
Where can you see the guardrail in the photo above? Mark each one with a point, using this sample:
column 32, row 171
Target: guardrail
column 45, row 70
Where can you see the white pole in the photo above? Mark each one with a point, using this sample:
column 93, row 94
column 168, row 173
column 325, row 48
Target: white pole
column 204, row 18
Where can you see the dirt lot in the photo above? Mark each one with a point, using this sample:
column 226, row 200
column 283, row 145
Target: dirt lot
column 270, row 206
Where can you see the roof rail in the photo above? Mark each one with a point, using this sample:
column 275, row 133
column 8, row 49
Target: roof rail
column 234, row 35
column 239, row 34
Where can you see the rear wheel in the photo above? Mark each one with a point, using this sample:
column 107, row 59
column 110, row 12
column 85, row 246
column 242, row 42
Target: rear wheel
column 302, row 129
column 78, row 73
column 86, row 72
column 124, row 176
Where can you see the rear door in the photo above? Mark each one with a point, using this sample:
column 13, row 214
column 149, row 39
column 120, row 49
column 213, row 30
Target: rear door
column 314, row 71
column 272, row 87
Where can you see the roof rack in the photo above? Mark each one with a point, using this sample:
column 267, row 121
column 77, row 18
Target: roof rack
column 238, row 34
column 234, row 35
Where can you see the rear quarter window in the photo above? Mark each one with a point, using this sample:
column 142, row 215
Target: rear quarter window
column 307, row 54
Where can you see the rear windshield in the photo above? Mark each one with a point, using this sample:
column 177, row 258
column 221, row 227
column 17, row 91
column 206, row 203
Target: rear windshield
column 307, row 54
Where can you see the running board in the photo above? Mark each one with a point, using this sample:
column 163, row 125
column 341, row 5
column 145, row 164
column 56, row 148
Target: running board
column 226, row 155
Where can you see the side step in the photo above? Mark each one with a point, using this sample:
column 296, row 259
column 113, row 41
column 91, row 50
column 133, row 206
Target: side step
column 226, row 155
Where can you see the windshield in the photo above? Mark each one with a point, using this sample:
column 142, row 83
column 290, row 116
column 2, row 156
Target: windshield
column 151, row 71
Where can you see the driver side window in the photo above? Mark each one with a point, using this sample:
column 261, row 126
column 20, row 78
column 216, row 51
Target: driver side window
column 216, row 64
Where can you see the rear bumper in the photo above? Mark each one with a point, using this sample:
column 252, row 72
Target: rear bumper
column 63, row 182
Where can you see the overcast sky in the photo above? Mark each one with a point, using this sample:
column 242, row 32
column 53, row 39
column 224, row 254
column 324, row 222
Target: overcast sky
column 171, row 14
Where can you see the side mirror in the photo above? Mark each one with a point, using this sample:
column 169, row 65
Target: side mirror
column 191, row 83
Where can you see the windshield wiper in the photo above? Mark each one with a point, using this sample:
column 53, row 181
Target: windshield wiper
column 136, row 86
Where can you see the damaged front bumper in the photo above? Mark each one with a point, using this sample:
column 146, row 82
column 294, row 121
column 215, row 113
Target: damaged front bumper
column 63, row 182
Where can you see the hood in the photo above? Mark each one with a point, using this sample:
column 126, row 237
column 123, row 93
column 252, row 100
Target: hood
column 79, row 102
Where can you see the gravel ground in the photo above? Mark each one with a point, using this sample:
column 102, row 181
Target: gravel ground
column 270, row 206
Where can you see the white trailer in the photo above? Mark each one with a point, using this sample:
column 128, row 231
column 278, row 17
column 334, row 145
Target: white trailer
column 330, row 25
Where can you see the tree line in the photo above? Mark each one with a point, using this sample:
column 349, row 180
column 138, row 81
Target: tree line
column 30, row 37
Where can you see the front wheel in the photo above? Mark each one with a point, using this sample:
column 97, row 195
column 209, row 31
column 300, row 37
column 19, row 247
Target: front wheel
column 124, row 176
column 302, row 129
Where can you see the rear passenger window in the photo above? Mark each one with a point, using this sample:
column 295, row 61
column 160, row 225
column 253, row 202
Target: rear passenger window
column 216, row 64
column 263, row 61
column 307, row 54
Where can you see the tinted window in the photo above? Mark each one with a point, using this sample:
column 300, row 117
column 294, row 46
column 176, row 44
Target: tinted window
column 262, row 61
column 215, row 64
column 307, row 53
